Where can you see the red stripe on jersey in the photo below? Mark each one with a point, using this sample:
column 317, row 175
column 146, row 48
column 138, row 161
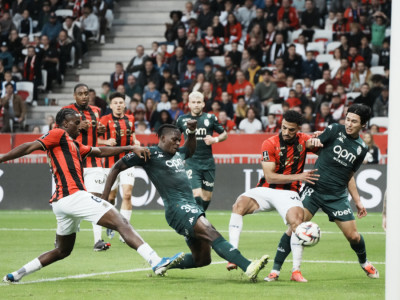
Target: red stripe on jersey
column 120, row 129
column 288, row 159
column 66, row 157
column 89, row 137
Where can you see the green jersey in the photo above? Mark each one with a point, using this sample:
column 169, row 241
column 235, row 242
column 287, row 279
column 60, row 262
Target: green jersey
column 167, row 172
column 203, row 158
column 338, row 159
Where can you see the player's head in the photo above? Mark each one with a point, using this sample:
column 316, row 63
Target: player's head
column 291, row 124
column 117, row 104
column 196, row 103
column 69, row 120
column 356, row 118
column 81, row 94
column 170, row 138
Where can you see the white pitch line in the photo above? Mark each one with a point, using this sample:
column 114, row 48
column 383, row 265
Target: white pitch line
column 172, row 231
column 78, row 276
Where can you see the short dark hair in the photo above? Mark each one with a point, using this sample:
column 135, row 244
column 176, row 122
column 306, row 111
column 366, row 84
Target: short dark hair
column 9, row 84
column 362, row 110
column 79, row 85
column 165, row 129
column 292, row 116
column 62, row 115
column 117, row 95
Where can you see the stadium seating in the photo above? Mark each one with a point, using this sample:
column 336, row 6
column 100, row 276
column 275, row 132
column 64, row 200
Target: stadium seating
column 218, row 61
column 317, row 83
column 323, row 58
column 382, row 122
column 374, row 60
column 316, row 47
column 322, row 36
column 330, row 47
column 380, row 70
column 25, row 86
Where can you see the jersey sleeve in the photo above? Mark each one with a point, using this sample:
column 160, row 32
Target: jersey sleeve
column 131, row 160
column 268, row 151
column 217, row 126
column 84, row 150
column 359, row 160
column 329, row 133
column 184, row 151
column 51, row 139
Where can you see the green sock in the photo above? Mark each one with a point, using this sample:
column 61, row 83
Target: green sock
column 359, row 249
column 186, row 263
column 200, row 202
column 206, row 204
column 230, row 253
column 282, row 252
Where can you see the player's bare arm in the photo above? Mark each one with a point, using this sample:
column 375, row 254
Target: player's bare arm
column 190, row 142
column 352, row 187
column 272, row 177
column 21, row 150
column 118, row 167
column 142, row 152
column 314, row 143
column 110, row 142
column 209, row 140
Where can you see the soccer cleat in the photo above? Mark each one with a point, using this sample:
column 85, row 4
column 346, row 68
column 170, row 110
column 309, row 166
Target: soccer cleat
column 167, row 263
column 101, row 246
column 296, row 276
column 271, row 277
column 370, row 270
column 110, row 233
column 231, row 266
column 9, row 278
column 256, row 266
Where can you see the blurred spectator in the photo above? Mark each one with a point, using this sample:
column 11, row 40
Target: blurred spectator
column 308, row 114
column 253, row 73
column 188, row 14
column 66, row 50
column 218, row 28
column 89, row 23
column 378, row 30
column 336, row 107
column 306, row 128
column 49, row 123
column 191, row 46
column 97, row 101
column 201, row 59
column 228, row 8
column 269, row 36
column 233, row 30
column 184, row 104
column 237, row 89
column 181, row 37
column 103, row 10
column 16, row 73
column 217, row 5
column 284, row 90
column 353, row 12
column 244, row 63
column 335, row 63
column 354, row 57
column 254, row 48
column 6, row 24
column 75, row 34
column 245, row 14
column 266, row 91
column 293, row 100
column 340, row 27
column 381, row 104
column 6, row 56
column 50, row 61
column 208, row 72
column 330, row 20
column 208, row 95
column 384, row 54
column 52, row 28
column 361, row 75
column 259, row 20
column 310, row 68
column 132, row 87
column 213, row 45
column 288, row 15
column 326, row 76
column 7, row 79
column 171, row 89
column 171, row 32
column 240, row 110
column 230, row 69
column 310, row 19
column 15, row 46
column 299, row 94
column 118, row 77
column 228, row 124
column 326, row 96
column 194, row 28
column 355, row 35
column 272, row 126
column 151, row 112
column 197, row 84
column 365, row 97
column 160, row 64
column 250, row 124
column 36, row 130
column 164, row 104
column 226, row 105
column 187, row 78
column 220, row 85
column 374, row 129
column 32, row 70
column 235, row 54
column 164, row 118
column 136, row 64
column 374, row 153
column 205, row 16
column 271, row 11
column 152, row 92
column 149, row 73
column 175, row 111
column 14, row 110
column 365, row 51
column 140, row 114
column 121, row 89
column 323, row 118
column 25, row 24
column 293, row 62
column 106, row 91
column 343, row 75
column 337, row 5
column 141, row 128
column 44, row 16
column 344, row 46
column 277, row 49
column 154, row 51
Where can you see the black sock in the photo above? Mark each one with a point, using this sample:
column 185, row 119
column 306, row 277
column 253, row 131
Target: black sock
column 282, row 252
column 360, row 250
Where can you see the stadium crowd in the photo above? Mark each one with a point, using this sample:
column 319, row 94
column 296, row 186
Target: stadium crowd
column 252, row 60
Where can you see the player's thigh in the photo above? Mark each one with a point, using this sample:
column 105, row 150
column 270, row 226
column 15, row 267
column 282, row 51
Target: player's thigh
column 183, row 216
column 207, row 183
column 349, row 229
column 195, row 178
column 94, row 179
column 310, row 201
column 287, row 204
column 127, row 177
column 247, row 204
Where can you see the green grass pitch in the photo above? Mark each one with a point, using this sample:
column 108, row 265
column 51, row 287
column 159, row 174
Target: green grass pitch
column 120, row 273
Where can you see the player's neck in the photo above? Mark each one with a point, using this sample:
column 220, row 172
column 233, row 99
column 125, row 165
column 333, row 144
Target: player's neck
column 196, row 115
column 82, row 107
column 119, row 116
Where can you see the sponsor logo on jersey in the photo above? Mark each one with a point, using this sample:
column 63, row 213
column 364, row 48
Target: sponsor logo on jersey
column 340, row 213
column 175, row 163
column 343, row 154
column 199, row 131
column 265, row 156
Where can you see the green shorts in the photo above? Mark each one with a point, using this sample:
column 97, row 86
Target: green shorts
column 183, row 216
column 203, row 179
column 338, row 209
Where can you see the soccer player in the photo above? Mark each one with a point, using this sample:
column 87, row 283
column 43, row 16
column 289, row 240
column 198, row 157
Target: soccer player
column 341, row 156
column 200, row 168
column 71, row 202
column 120, row 131
column 283, row 159
column 166, row 170
column 93, row 172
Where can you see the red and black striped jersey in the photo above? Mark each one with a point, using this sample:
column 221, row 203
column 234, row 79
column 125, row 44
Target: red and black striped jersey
column 120, row 129
column 89, row 137
column 66, row 160
column 288, row 159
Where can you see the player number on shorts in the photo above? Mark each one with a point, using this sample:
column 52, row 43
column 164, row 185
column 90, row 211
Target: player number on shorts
column 189, row 174
column 307, row 192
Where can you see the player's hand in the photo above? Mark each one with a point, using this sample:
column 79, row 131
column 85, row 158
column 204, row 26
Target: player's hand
column 136, row 143
column 309, row 176
column 209, row 140
column 85, row 125
column 142, row 152
column 316, row 142
column 101, row 128
column 191, row 125
column 361, row 211
column 111, row 142
column 316, row 134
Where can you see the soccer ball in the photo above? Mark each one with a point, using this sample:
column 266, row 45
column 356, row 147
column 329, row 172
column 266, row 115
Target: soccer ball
column 308, row 233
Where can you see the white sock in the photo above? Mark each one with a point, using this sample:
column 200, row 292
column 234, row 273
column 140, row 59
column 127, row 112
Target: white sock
column 29, row 268
column 276, row 272
column 97, row 232
column 235, row 228
column 126, row 214
column 297, row 251
column 148, row 254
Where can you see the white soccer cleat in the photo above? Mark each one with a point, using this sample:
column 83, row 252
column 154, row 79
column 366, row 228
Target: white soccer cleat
column 256, row 266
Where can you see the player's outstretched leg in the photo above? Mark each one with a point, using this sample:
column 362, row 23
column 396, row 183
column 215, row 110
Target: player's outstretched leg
column 65, row 244
column 357, row 243
column 282, row 253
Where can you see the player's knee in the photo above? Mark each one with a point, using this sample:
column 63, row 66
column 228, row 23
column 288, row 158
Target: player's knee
column 126, row 196
column 203, row 261
column 240, row 207
column 63, row 253
column 353, row 237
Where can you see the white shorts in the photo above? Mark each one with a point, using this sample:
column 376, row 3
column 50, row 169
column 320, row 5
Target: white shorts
column 82, row 205
column 125, row 177
column 95, row 179
column 269, row 199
